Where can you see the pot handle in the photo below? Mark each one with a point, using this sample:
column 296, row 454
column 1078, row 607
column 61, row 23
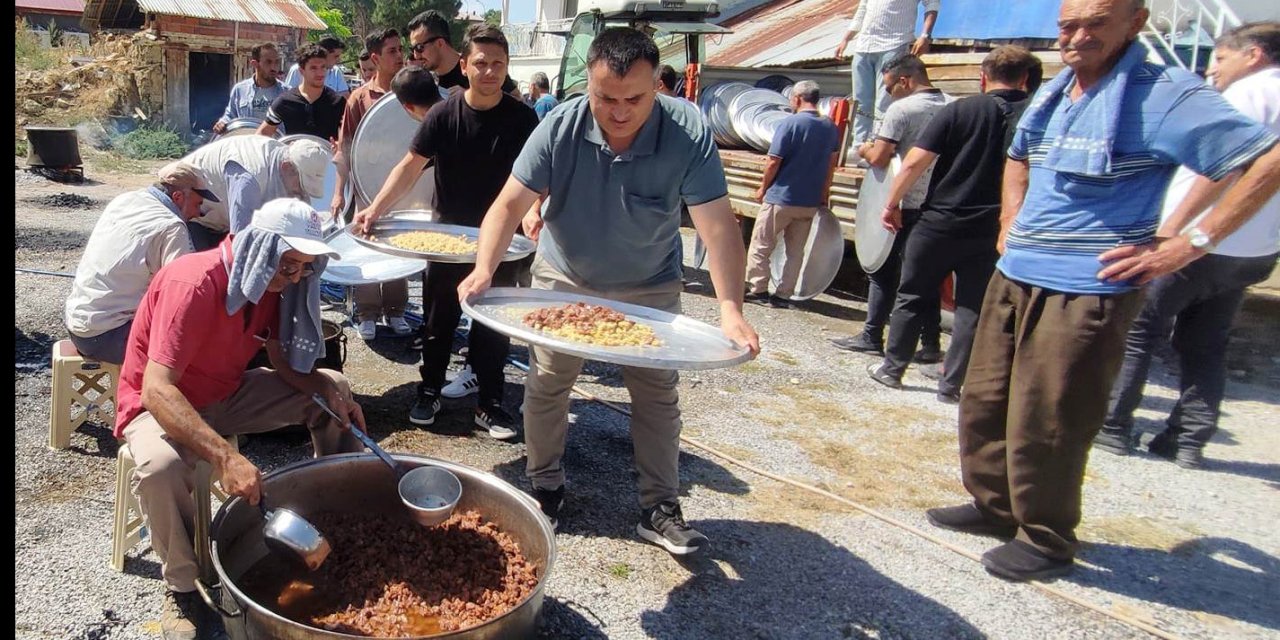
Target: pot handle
column 214, row 604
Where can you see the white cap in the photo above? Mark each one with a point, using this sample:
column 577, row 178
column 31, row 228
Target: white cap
column 311, row 159
column 296, row 223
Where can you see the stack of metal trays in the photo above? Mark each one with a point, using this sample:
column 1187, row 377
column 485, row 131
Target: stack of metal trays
column 715, row 109
column 756, row 114
column 380, row 143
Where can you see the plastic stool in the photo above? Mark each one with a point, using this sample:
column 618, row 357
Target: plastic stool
column 129, row 528
column 93, row 377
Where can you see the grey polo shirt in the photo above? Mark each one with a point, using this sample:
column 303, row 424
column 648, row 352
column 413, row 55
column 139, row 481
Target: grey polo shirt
column 612, row 221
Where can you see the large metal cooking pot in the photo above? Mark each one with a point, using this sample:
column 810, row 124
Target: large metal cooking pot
column 380, row 142
column 55, row 147
column 361, row 483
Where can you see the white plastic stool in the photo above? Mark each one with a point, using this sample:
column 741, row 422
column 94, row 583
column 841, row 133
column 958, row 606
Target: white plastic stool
column 96, row 387
column 129, row 528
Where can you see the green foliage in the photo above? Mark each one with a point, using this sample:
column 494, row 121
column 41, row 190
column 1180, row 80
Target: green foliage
column 28, row 52
column 620, row 570
column 398, row 13
column 493, row 17
column 151, row 143
column 55, row 33
column 20, row 147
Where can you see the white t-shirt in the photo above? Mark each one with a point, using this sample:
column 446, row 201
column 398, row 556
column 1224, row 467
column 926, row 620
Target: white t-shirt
column 135, row 236
column 1256, row 96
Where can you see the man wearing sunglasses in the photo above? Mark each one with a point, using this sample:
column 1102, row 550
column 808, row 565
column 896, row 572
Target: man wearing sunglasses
column 429, row 47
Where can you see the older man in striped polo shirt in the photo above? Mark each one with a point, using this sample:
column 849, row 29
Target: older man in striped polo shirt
column 1087, row 170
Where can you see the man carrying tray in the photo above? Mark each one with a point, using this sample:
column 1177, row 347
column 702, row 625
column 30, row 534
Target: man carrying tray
column 474, row 137
column 616, row 166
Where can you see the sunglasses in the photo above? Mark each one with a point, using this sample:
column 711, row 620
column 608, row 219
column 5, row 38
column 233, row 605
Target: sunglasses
column 422, row 46
column 289, row 269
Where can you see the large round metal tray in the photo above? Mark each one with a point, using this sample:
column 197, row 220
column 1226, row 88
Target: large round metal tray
column 379, row 144
column 362, row 265
column 386, row 228
column 687, row 344
column 241, row 127
column 823, row 253
column 872, row 241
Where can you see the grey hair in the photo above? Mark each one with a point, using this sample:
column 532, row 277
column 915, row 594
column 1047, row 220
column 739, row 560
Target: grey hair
column 541, row 81
column 807, row 91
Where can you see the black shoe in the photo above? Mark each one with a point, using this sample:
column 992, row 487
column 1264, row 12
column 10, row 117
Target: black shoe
column 497, row 421
column 416, row 343
column 1165, row 445
column 424, row 410
column 877, row 373
column 928, row 355
column 550, row 501
column 180, row 615
column 932, row 371
column 664, row 525
column 968, row 518
column 860, row 343
column 949, row 397
column 1114, row 440
column 756, row 298
column 779, row 303
column 1017, row 560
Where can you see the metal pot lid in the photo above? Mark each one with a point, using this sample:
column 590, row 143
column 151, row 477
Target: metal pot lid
column 380, row 142
column 766, row 125
column 823, row 252
column 756, row 96
column 776, row 82
column 241, row 127
column 872, row 241
column 715, row 107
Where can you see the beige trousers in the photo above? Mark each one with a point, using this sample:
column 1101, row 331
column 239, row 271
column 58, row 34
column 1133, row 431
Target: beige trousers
column 164, row 477
column 655, row 403
column 387, row 298
column 793, row 224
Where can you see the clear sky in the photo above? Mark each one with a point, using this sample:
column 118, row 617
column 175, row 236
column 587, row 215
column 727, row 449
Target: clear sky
column 521, row 10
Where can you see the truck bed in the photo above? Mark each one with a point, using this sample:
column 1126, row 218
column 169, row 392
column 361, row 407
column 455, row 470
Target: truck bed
column 745, row 169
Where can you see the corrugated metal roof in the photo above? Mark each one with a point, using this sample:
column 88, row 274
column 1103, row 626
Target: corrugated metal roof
column 782, row 34
column 59, row 6
column 285, row 13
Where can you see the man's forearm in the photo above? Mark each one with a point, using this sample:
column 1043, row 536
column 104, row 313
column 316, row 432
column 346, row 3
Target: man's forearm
column 1258, row 185
column 183, row 424
column 1203, row 193
column 399, row 182
column 727, row 257
column 917, row 162
column 771, row 166
column 1012, row 193
column 930, row 19
column 831, row 175
column 500, row 223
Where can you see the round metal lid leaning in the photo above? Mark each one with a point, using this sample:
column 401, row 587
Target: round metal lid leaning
column 380, row 142
column 872, row 241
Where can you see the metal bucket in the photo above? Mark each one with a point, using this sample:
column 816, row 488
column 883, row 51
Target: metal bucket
column 335, row 349
column 362, row 484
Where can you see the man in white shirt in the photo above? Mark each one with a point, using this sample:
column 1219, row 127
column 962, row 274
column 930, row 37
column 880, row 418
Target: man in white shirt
column 139, row 232
column 884, row 29
column 333, row 78
column 1198, row 304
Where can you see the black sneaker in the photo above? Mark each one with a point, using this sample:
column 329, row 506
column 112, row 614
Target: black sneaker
column 778, row 302
column 416, row 343
column 496, row 420
column 1165, row 445
column 968, row 518
column 1114, row 440
column 551, row 501
column 756, row 298
column 180, row 616
column 948, row 397
column 928, row 355
column 861, row 343
column 664, row 525
column 877, row 373
column 1017, row 560
column 424, row 410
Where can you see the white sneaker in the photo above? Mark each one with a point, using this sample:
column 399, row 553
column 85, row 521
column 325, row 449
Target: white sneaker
column 368, row 330
column 399, row 325
column 462, row 385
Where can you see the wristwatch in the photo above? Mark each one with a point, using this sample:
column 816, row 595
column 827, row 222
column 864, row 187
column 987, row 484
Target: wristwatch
column 1199, row 239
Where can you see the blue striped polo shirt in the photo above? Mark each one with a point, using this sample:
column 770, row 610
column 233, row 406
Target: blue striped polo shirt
column 1169, row 117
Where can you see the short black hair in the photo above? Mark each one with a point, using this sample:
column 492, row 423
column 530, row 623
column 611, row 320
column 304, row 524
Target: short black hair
column 331, row 44
column 1010, row 64
column 365, row 55
column 484, row 33
column 308, row 51
column 906, row 66
column 415, row 86
column 374, row 41
column 433, row 21
column 667, row 75
column 256, row 52
column 621, row 48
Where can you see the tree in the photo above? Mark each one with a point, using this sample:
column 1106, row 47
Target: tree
column 398, row 13
column 493, row 17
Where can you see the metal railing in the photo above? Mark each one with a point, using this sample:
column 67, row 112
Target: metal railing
column 528, row 39
column 1176, row 33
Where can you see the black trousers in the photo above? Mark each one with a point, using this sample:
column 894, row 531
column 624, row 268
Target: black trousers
column 882, row 287
column 488, row 349
column 1197, row 305
column 930, row 256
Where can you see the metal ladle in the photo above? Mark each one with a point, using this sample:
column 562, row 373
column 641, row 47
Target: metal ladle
column 429, row 493
column 290, row 534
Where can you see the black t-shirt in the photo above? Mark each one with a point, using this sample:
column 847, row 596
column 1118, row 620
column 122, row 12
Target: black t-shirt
column 322, row 118
column 474, row 152
column 456, row 78
column 969, row 137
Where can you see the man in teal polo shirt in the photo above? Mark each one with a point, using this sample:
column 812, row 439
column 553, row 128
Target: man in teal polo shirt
column 615, row 168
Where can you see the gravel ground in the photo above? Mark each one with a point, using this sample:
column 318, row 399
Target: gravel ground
column 1194, row 553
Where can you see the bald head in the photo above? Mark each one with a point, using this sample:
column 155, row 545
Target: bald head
column 1093, row 34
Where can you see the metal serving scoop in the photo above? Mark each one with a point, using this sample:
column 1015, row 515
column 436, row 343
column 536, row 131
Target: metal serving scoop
column 290, row 534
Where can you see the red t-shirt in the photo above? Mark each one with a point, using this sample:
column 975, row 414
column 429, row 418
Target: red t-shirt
column 183, row 324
